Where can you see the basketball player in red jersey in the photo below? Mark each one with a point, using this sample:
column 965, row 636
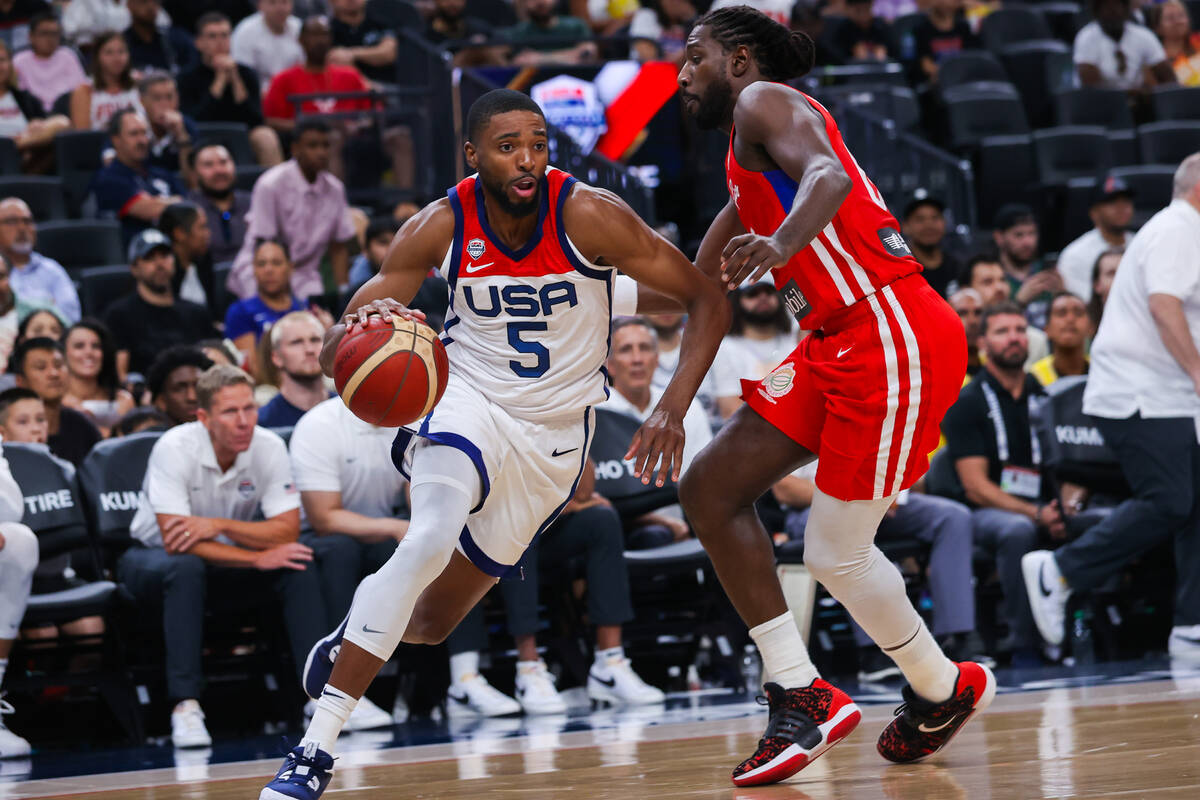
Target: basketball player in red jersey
column 865, row 391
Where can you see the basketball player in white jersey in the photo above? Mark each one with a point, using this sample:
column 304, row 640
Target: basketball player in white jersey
column 530, row 256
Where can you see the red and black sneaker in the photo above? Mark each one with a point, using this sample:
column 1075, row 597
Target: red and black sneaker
column 922, row 728
column 804, row 723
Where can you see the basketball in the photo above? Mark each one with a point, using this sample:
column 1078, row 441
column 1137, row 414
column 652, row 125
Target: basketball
column 390, row 373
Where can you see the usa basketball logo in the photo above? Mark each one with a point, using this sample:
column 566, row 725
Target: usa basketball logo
column 246, row 489
column 779, row 382
column 476, row 248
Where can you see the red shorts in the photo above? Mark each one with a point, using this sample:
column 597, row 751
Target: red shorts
column 867, row 393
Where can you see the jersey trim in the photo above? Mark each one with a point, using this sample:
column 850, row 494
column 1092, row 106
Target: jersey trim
column 529, row 246
column 456, row 247
column 457, row 441
column 564, row 242
column 785, row 188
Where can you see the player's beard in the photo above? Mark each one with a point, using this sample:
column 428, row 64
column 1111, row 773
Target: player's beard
column 715, row 106
column 520, row 209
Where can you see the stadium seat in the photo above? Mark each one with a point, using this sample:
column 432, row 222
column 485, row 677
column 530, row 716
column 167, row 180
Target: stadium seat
column 1037, row 69
column 1169, row 142
column 111, row 477
column 1005, row 172
column 972, row 117
column 1125, row 150
column 1176, row 102
column 81, row 243
column 10, row 157
column 396, row 14
column 1152, row 186
column 969, row 66
column 1108, row 108
column 100, row 286
column 1063, row 18
column 1076, row 217
column 248, row 175
column 897, row 103
column 54, row 510
column 1075, row 151
column 44, row 195
column 1004, row 26
column 904, row 45
column 234, row 135
column 996, row 89
column 77, row 156
column 873, row 72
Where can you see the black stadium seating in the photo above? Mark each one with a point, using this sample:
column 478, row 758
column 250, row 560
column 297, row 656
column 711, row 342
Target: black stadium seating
column 44, row 195
column 10, row 157
column 100, row 286
column 970, row 66
column 234, row 135
column 77, row 155
column 1039, row 69
column 81, row 243
column 1108, row 108
column 111, row 477
column 1004, row 173
column 897, row 103
column 1152, row 185
column 248, row 175
column 1074, row 151
column 1169, row 142
column 1005, row 26
column 1176, row 102
column 973, row 117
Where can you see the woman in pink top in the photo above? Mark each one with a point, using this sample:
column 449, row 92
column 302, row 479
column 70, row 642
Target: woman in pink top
column 111, row 89
column 23, row 119
column 47, row 70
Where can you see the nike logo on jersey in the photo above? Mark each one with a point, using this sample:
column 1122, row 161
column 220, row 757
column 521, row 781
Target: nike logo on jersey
column 610, row 683
column 370, row 630
column 844, row 350
column 476, row 267
column 923, row 728
column 556, row 452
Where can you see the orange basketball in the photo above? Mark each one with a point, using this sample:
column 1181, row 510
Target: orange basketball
column 390, row 373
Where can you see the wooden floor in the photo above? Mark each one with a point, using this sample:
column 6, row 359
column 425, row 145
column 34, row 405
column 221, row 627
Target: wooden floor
column 1137, row 740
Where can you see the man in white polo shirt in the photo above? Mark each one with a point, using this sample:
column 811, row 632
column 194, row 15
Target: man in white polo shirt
column 354, row 499
column 205, row 483
column 1144, row 389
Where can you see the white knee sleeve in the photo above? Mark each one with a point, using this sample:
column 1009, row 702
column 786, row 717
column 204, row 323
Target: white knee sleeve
column 445, row 488
column 18, row 560
column 839, row 551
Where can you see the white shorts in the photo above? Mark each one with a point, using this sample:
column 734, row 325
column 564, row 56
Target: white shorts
column 529, row 470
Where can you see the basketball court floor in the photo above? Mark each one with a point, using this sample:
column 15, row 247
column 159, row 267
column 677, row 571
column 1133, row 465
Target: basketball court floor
column 1115, row 731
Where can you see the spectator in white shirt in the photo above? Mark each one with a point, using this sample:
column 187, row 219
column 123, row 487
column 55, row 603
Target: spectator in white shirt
column 84, row 20
column 205, row 483
column 354, row 501
column 1144, row 390
column 1116, row 53
column 760, row 336
column 1111, row 213
column 34, row 277
column 268, row 41
column 633, row 357
column 18, row 560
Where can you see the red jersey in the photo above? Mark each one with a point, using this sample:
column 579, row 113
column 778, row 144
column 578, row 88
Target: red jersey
column 860, row 251
column 298, row 80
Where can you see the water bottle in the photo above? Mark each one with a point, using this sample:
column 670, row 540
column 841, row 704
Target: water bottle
column 1083, row 648
column 751, row 670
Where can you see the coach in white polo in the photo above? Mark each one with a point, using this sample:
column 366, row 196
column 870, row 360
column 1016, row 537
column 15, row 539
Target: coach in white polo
column 206, row 483
column 1144, row 389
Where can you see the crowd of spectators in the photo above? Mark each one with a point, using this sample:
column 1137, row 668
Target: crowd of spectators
column 231, row 289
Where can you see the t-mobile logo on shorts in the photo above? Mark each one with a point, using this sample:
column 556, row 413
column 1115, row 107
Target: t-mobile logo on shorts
column 797, row 304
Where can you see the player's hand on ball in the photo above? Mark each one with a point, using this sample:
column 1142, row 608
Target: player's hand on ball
column 386, row 308
column 750, row 256
column 658, row 444
column 292, row 555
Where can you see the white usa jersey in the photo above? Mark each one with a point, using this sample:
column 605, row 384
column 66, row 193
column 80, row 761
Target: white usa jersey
column 528, row 328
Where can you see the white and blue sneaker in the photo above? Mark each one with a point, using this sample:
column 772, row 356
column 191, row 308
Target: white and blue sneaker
column 319, row 664
column 305, row 773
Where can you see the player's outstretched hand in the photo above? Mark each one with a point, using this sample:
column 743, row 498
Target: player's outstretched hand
column 385, row 307
column 750, row 256
column 658, row 444
column 292, row 555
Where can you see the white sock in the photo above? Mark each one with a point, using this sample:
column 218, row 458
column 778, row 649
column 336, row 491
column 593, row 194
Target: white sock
column 603, row 657
column 3, row 667
column 464, row 665
column 930, row 674
column 785, row 658
column 333, row 710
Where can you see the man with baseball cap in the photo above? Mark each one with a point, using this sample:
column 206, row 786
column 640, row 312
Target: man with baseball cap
column 923, row 224
column 151, row 319
column 1111, row 212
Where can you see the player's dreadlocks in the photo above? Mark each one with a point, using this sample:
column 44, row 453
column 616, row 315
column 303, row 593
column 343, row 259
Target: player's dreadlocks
column 781, row 54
